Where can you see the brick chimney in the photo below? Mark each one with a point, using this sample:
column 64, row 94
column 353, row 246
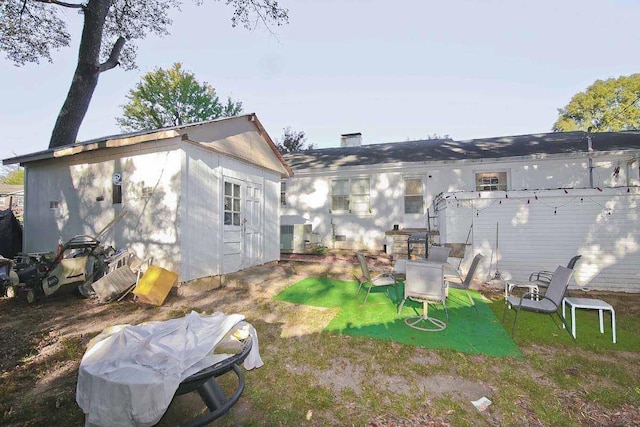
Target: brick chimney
column 351, row 140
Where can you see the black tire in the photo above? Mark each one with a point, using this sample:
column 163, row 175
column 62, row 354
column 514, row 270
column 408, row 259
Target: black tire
column 10, row 291
column 30, row 296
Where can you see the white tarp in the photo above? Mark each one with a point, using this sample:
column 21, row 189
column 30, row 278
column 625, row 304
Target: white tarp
column 129, row 377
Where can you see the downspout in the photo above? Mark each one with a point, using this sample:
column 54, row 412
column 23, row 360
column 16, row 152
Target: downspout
column 590, row 150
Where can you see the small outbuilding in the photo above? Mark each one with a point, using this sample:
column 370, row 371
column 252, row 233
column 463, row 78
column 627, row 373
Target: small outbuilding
column 201, row 199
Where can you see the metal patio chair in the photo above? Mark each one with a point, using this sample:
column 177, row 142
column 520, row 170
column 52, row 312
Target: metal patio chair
column 538, row 280
column 438, row 253
column 549, row 303
column 385, row 279
column 459, row 283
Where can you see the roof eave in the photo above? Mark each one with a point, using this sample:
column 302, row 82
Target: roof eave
column 70, row 150
column 254, row 119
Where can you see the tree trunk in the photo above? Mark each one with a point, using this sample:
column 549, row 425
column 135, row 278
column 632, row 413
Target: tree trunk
column 85, row 77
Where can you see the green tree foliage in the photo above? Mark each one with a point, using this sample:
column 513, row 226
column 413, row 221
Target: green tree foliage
column 606, row 106
column 293, row 141
column 14, row 176
column 170, row 98
column 30, row 30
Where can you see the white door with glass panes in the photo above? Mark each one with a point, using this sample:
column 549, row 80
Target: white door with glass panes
column 232, row 225
column 415, row 213
column 252, row 224
column 242, row 224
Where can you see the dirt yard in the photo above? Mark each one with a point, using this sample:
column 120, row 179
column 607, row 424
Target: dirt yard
column 41, row 347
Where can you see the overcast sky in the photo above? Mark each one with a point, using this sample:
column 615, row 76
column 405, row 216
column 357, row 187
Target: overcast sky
column 393, row 70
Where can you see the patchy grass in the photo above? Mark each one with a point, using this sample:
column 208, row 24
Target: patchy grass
column 316, row 378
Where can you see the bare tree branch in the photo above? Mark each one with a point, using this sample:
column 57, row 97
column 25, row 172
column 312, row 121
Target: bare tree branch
column 112, row 61
column 63, row 4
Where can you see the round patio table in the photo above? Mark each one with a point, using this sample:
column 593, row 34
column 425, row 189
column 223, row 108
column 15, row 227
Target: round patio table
column 205, row 383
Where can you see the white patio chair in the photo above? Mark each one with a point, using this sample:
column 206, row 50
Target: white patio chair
column 425, row 283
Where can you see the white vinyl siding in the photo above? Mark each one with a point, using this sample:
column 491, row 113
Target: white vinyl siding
column 540, row 234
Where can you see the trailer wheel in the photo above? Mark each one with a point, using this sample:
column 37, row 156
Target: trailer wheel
column 10, row 291
column 31, row 296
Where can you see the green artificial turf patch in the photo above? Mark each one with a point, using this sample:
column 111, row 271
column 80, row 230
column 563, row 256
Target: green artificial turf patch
column 468, row 330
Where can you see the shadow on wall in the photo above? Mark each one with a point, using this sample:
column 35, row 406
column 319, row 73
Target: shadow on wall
column 86, row 206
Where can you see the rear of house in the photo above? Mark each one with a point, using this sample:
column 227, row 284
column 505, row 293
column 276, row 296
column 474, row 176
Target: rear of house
column 526, row 202
column 201, row 199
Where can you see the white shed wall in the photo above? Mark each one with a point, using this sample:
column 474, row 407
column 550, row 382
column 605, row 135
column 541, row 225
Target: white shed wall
column 82, row 185
column 200, row 212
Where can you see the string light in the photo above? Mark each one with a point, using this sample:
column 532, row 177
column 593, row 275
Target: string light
column 468, row 202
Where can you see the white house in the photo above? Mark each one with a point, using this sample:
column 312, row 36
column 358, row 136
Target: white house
column 527, row 202
column 201, row 199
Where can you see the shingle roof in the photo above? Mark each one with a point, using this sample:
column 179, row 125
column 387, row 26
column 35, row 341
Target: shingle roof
column 448, row 149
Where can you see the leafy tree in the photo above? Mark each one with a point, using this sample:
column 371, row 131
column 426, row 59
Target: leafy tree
column 606, row 106
column 170, row 98
column 31, row 29
column 14, row 176
column 293, row 141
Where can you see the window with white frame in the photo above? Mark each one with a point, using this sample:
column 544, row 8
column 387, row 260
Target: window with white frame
column 491, row 181
column 231, row 204
column 413, row 196
column 283, row 193
column 147, row 191
column 351, row 195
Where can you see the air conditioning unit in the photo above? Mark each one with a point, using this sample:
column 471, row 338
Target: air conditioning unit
column 295, row 238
